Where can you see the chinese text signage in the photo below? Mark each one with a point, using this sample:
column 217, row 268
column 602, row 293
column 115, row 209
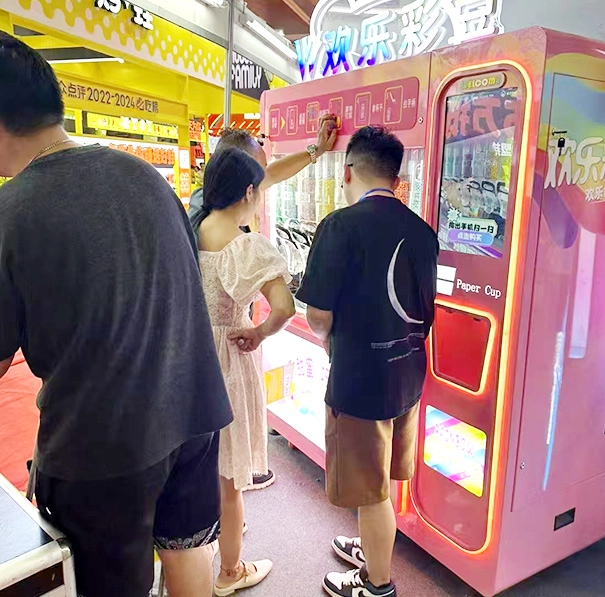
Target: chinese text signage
column 393, row 104
column 195, row 130
column 101, row 99
column 102, row 96
column 351, row 34
column 157, row 156
column 573, row 160
column 581, row 162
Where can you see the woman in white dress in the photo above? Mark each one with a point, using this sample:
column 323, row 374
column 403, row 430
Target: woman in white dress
column 238, row 269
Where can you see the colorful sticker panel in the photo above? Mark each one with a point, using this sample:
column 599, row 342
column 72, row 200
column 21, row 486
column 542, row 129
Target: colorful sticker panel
column 455, row 449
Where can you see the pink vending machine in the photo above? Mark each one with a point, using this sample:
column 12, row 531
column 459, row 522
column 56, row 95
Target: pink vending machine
column 511, row 453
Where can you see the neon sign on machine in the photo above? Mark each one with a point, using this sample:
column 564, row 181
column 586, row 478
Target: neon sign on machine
column 350, row 34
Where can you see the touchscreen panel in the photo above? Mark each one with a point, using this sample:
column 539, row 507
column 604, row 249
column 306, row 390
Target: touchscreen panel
column 475, row 179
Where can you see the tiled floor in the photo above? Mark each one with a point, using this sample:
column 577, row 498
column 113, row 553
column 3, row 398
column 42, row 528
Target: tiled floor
column 293, row 524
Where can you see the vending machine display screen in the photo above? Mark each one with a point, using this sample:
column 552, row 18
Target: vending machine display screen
column 476, row 175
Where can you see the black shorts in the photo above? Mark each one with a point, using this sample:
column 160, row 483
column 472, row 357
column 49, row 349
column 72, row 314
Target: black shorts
column 112, row 525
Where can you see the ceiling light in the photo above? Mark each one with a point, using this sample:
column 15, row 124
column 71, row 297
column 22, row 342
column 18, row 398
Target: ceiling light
column 270, row 37
column 78, row 60
column 252, row 116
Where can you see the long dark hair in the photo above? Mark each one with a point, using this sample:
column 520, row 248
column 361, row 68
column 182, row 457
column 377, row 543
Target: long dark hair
column 228, row 175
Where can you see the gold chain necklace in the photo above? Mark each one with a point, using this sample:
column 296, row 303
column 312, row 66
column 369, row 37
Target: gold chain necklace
column 51, row 146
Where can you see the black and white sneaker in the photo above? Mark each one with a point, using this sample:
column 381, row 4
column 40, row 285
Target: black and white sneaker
column 351, row 584
column 261, row 481
column 349, row 550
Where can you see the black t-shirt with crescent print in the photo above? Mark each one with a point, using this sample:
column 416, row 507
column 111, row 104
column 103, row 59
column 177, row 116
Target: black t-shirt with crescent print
column 374, row 265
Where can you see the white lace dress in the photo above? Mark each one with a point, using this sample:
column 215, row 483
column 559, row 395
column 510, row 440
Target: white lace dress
column 232, row 279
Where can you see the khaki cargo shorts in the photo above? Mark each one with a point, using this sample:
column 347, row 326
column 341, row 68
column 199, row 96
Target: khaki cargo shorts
column 362, row 456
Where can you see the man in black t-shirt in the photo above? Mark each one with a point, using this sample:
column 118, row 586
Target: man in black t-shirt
column 100, row 288
column 370, row 287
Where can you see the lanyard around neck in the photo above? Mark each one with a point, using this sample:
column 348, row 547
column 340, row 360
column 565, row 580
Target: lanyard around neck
column 371, row 192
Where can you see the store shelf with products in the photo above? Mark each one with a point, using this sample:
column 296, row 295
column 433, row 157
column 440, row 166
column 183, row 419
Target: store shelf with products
column 154, row 142
column 161, row 157
column 248, row 122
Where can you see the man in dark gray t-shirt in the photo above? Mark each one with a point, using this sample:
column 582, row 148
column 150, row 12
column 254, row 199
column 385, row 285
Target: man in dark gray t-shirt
column 100, row 288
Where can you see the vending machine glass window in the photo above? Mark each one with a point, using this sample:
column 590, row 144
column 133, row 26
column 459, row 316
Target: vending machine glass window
column 475, row 181
column 299, row 204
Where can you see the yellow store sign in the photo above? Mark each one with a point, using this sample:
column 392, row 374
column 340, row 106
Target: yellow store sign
column 83, row 95
column 111, row 25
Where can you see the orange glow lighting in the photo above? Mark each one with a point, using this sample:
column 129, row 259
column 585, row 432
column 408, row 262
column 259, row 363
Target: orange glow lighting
column 511, row 300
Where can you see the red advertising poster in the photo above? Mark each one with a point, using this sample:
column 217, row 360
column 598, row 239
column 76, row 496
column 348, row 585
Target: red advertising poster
column 392, row 104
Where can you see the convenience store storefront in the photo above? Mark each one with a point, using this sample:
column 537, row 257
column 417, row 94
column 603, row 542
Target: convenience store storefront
column 130, row 79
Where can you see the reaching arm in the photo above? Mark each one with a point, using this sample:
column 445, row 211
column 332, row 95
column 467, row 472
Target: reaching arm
column 5, row 366
column 291, row 165
column 285, row 168
column 283, row 310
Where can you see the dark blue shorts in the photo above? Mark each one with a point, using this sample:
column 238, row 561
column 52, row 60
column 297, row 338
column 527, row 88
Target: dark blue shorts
column 113, row 525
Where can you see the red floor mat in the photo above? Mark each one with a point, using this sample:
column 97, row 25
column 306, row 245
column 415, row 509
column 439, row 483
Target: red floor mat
column 18, row 421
